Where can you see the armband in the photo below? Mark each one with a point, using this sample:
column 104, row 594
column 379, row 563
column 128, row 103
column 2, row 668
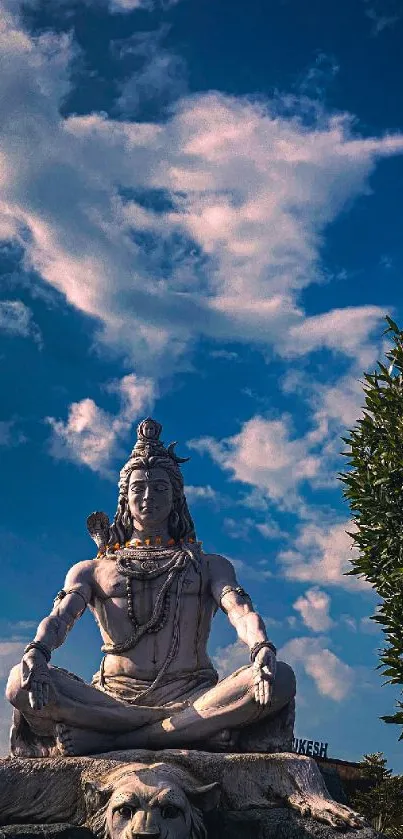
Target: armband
column 237, row 590
column 63, row 593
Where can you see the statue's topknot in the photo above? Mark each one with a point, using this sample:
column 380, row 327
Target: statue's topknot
column 148, row 443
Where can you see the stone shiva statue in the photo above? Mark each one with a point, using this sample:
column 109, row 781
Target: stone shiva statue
column 153, row 593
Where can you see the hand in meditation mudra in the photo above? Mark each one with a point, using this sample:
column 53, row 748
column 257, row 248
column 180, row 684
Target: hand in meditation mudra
column 153, row 593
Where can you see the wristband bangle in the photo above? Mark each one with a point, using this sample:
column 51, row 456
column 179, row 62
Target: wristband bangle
column 42, row 648
column 259, row 646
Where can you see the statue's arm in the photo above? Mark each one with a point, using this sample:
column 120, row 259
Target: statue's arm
column 235, row 602
column 69, row 605
column 52, row 630
column 248, row 624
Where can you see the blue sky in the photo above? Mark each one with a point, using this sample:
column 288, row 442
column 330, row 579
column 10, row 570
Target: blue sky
column 200, row 218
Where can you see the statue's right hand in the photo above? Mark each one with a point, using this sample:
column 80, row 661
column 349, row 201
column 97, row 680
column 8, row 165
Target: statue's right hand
column 36, row 679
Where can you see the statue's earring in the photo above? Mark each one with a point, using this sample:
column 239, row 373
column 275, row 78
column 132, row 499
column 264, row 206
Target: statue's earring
column 126, row 519
column 174, row 520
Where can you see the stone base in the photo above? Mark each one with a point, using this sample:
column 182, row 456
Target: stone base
column 45, row 831
column 262, row 795
column 256, row 824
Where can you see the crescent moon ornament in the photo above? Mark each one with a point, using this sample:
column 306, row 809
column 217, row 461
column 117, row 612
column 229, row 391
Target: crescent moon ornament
column 170, row 450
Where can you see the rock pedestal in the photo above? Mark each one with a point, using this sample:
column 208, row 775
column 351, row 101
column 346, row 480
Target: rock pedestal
column 260, row 795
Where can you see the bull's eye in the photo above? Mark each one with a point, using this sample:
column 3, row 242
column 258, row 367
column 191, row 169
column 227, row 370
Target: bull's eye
column 169, row 811
column 125, row 811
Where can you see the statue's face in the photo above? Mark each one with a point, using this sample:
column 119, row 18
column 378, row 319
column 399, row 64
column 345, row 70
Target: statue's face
column 158, row 810
column 150, row 496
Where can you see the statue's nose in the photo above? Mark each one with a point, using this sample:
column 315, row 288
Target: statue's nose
column 144, row 824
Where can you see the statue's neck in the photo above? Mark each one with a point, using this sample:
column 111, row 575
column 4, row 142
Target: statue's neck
column 143, row 532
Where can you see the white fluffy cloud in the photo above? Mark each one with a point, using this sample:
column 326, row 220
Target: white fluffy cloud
column 333, row 678
column 90, row 435
column 322, row 555
column 264, row 455
column 313, row 608
column 249, row 191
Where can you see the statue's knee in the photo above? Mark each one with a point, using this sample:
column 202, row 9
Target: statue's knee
column 14, row 691
column 285, row 680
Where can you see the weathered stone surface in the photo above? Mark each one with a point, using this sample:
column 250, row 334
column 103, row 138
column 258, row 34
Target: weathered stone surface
column 254, row 824
column 274, row 824
column 45, row 831
column 252, row 786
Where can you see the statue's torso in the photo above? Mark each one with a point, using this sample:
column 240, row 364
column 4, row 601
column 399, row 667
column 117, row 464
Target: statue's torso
column 110, row 607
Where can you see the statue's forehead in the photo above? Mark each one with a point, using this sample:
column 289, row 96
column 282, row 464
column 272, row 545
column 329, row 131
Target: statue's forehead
column 148, row 790
column 153, row 474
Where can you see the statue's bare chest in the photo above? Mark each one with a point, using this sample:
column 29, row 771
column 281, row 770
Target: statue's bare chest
column 112, row 584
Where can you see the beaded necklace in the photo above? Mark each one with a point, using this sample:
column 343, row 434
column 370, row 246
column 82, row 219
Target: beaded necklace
column 147, row 564
column 133, row 566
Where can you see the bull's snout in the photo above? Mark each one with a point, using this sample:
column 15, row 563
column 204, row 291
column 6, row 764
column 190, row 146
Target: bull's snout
column 145, row 824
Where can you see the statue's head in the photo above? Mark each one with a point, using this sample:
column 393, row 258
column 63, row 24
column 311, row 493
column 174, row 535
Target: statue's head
column 160, row 801
column 151, row 489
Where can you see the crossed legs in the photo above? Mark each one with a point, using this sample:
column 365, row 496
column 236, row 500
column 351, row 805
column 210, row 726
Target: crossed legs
column 88, row 721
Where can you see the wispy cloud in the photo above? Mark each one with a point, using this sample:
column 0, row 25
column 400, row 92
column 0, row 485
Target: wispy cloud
column 245, row 571
column 10, row 654
column 10, row 435
column 126, row 6
column 230, row 658
column 17, row 319
column 382, row 13
column 202, row 493
column 161, row 79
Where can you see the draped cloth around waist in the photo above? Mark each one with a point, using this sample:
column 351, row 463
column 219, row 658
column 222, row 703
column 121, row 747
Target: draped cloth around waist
column 174, row 692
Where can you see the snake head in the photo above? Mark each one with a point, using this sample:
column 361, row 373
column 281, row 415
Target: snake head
column 98, row 528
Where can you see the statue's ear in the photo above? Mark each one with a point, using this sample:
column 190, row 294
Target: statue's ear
column 95, row 796
column 206, row 797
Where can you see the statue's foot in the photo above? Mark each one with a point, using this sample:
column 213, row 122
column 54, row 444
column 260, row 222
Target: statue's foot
column 225, row 741
column 73, row 742
column 326, row 810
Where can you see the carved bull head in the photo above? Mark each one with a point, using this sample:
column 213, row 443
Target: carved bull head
column 160, row 802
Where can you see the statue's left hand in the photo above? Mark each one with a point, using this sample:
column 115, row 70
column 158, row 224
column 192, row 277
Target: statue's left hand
column 264, row 672
column 36, row 679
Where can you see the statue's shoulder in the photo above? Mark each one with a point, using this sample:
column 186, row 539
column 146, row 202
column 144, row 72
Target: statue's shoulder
column 81, row 572
column 218, row 565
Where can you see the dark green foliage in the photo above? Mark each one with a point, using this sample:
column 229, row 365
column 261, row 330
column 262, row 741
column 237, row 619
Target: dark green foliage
column 373, row 487
column 382, row 800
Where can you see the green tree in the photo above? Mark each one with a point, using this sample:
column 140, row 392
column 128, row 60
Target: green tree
column 373, row 486
column 381, row 801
